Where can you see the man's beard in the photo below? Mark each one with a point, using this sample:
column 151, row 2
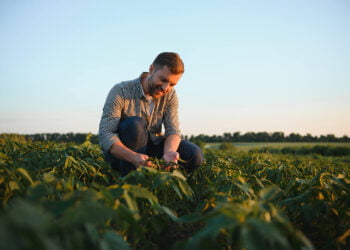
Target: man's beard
column 152, row 89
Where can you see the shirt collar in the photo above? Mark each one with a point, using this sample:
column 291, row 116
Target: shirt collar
column 140, row 88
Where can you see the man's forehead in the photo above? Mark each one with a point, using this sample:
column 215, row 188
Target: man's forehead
column 165, row 71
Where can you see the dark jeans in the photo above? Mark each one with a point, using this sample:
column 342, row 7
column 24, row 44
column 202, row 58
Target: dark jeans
column 134, row 135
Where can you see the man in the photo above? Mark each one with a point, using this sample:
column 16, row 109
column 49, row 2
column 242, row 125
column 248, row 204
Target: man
column 133, row 115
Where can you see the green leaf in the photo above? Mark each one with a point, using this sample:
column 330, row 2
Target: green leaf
column 149, row 169
column 141, row 192
column 269, row 193
column 49, row 177
column 251, row 239
column 170, row 213
column 268, row 232
column 25, row 174
column 192, row 217
column 92, row 232
column 13, row 185
column 178, row 174
column 113, row 241
column 185, row 188
column 68, row 162
column 132, row 204
column 161, row 178
column 176, row 189
column 205, row 239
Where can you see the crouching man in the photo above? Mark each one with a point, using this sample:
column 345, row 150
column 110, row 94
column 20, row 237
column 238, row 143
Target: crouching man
column 133, row 115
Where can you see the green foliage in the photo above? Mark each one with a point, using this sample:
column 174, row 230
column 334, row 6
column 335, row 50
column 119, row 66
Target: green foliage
column 200, row 144
column 64, row 196
column 227, row 146
column 323, row 150
column 4, row 138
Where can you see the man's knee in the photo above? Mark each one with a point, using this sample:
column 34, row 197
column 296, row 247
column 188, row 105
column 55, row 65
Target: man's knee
column 198, row 157
column 191, row 154
column 132, row 124
column 133, row 132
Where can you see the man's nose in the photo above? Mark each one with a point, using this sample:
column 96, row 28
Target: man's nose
column 165, row 87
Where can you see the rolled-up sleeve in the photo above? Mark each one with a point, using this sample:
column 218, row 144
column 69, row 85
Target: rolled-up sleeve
column 171, row 118
column 110, row 119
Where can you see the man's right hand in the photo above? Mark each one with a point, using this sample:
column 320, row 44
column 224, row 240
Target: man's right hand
column 119, row 150
column 140, row 160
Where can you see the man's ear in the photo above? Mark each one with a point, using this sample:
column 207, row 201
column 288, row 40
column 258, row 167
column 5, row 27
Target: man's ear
column 151, row 69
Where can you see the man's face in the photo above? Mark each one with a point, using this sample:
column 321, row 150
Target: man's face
column 161, row 81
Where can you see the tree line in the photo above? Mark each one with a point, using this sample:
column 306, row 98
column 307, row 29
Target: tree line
column 225, row 137
column 55, row 137
column 266, row 137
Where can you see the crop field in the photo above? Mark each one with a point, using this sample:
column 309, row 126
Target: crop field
column 246, row 146
column 64, row 196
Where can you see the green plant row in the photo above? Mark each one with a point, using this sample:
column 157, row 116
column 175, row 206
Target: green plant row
column 64, row 196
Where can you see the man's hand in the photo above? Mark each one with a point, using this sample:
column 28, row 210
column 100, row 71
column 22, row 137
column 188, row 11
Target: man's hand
column 171, row 145
column 171, row 156
column 140, row 160
column 119, row 150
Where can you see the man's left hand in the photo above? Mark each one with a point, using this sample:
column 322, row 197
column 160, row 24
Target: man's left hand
column 171, row 157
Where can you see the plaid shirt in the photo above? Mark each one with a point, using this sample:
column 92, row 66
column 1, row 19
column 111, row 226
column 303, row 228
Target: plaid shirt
column 128, row 99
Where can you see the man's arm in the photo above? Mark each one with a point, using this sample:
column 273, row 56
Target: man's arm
column 172, row 131
column 110, row 119
column 108, row 137
column 171, row 145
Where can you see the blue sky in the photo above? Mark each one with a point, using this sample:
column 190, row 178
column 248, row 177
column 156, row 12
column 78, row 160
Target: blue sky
column 250, row 65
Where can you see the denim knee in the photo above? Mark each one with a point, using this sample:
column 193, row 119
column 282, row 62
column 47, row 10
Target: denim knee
column 133, row 132
column 191, row 154
column 197, row 159
column 132, row 124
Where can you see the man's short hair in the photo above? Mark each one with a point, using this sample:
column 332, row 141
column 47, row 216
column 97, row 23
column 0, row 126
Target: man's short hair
column 170, row 59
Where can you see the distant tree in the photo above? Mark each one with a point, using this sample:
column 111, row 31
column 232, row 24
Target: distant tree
column 331, row 138
column 236, row 137
column 277, row 137
column 344, row 139
column 308, row 138
column 248, row 137
column 262, row 137
column 294, row 137
column 227, row 137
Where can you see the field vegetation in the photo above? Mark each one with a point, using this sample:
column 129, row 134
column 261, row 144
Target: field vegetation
column 285, row 147
column 64, row 196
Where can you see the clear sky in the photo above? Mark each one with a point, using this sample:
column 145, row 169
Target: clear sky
column 250, row 65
